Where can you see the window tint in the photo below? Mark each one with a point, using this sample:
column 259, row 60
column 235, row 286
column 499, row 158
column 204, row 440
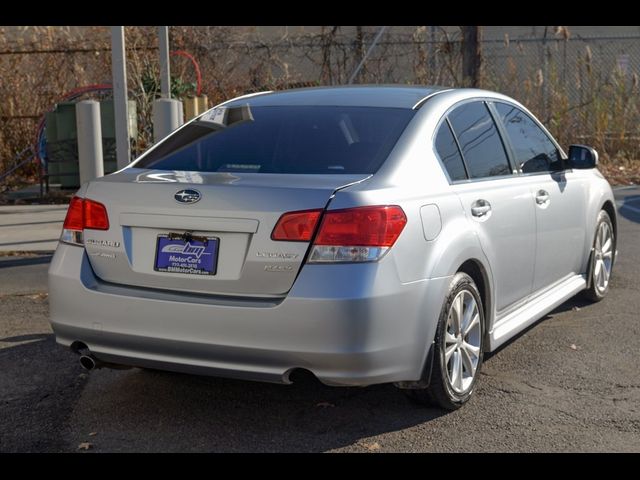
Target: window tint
column 284, row 139
column 479, row 141
column 449, row 154
column 534, row 151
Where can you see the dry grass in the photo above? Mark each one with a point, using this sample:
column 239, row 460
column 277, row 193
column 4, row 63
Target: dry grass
column 578, row 100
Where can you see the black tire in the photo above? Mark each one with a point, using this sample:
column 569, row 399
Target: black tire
column 593, row 293
column 440, row 391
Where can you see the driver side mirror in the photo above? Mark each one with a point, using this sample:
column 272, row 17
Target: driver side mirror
column 582, row 157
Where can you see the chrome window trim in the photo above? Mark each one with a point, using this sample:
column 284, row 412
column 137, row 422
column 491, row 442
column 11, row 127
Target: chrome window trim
column 422, row 101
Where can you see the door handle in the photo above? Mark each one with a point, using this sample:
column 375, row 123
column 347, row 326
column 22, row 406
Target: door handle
column 480, row 208
column 542, row 197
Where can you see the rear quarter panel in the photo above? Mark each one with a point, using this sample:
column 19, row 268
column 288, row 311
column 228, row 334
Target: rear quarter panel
column 413, row 178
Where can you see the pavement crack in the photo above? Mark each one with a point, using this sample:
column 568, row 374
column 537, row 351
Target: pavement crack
column 39, row 294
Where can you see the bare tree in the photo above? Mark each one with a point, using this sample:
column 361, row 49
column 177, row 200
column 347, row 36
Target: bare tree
column 471, row 55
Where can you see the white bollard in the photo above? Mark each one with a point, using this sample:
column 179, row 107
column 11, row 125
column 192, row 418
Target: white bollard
column 89, row 131
column 167, row 116
column 180, row 113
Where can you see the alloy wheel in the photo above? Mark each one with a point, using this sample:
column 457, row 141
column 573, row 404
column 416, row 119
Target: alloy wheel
column 462, row 341
column 603, row 253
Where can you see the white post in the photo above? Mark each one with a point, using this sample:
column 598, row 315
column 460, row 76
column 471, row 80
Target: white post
column 165, row 73
column 89, row 131
column 166, row 117
column 180, row 119
column 120, row 107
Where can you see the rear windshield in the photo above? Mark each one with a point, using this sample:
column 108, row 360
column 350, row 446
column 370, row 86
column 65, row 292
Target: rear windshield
column 283, row 139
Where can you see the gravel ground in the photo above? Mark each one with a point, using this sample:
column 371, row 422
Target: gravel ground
column 569, row 383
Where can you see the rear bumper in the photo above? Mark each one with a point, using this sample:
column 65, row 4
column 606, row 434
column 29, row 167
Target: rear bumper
column 338, row 321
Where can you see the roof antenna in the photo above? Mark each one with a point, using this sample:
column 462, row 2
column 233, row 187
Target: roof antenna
column 366, row 55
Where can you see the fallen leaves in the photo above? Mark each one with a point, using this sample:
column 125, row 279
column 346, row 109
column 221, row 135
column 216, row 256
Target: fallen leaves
column 85, row 446
column 38, row 296
column 325, row 405
column 372, row 447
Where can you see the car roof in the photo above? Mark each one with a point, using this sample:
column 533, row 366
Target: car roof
column 390, row 96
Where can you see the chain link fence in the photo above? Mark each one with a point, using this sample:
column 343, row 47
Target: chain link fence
column 585, row 89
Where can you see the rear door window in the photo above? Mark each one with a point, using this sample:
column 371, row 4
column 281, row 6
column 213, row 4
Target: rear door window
column 285, row 139
column 449, row 153
column 481, row 145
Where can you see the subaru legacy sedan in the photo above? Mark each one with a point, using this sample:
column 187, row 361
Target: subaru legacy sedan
column 368, row 234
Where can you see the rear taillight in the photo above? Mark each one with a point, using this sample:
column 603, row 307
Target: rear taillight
column 95, row 215
column 75, row 215
column 361, row 234
column 296, row 226
column 83, row 214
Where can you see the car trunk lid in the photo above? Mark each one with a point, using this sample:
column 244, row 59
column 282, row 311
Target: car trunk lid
column 236, row 211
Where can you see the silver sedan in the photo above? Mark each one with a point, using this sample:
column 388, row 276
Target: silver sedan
column 364, row 234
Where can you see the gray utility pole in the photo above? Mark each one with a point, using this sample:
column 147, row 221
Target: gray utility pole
column 165, row 76
column 120, row 106
column 366, row 55
column 89, row 131
column 167, row 112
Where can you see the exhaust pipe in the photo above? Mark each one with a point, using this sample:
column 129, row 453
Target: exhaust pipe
column 88, row 362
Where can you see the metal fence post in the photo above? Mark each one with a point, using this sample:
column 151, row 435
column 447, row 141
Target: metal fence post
column 545, row 76
column 353, row 76
column 432, row 54
column 165, row 75
column 89, row 131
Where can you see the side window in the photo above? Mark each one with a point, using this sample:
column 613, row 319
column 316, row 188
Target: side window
column 449, row 154
column 481, row 146
column 533, row 149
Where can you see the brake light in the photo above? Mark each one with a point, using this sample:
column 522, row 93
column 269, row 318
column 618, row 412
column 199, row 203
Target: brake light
column 75, row 215
column 361, row 234
column 95, row 215
column 296, row 226
column 82, row 214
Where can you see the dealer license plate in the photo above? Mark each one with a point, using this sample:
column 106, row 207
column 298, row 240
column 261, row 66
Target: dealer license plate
column 186, row 255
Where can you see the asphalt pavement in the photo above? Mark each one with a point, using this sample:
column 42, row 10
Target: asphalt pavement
column 568, row 383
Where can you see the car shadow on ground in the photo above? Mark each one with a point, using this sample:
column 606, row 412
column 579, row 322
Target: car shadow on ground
column 214, row 414
column 39, row 385
column 630, row 209
column 51, row 405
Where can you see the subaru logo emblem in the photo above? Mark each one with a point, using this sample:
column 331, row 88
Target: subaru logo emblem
column 187, row 196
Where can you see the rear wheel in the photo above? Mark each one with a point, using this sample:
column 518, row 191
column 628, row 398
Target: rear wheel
column 602, row 258
column 458, row 347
